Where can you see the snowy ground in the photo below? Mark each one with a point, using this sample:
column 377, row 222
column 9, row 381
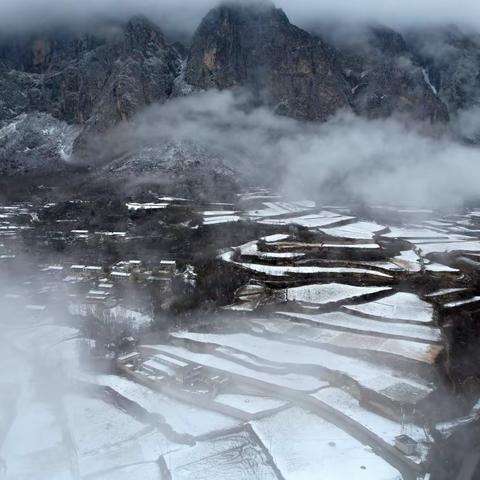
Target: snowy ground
column 183, row 418
column 236, row 456
column 334, row 335
column 305, row 446
column 398, row 307
column 330, row 292
column 341, row 320
column 378, row 378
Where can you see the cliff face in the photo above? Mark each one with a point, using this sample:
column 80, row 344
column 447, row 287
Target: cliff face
column 385, row 77
column 452, row 58
column 258, row 48
column 94, row 79
column 103, row 75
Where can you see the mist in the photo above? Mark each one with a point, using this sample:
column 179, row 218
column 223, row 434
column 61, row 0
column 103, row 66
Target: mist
column 184, row 17
column 391, row 161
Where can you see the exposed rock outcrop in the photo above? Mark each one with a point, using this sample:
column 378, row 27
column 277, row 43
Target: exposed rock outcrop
column 103, row 75
column 385, row 77
column 94, row 79
column 258, row 48
column 452, row 59
column 35, row 143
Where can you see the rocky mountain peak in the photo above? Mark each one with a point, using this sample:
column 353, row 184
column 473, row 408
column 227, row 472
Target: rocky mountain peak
column 94, row 77
column 256, row 47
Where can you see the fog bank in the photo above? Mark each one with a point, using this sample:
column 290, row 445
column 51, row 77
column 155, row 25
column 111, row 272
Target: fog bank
column 395, row 160
column 185, row 16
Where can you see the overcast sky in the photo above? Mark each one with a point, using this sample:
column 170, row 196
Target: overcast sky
column 186, row 14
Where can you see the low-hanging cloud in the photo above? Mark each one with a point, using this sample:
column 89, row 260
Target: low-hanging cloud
column 185, row 16
column 374, row 161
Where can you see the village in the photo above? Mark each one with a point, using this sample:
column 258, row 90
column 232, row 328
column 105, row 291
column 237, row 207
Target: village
column 334, row 342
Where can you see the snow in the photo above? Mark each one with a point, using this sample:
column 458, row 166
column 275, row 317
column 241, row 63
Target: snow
column 371, row 376
column 95, row 424
column 426, row 77
column 147, row 471
column 235, row 456
column 363, row 342
column 279, row 271
column 414, row 233
column 44, row 336
column 410, row 261
column 121, row 458
column 38, row 419
column 134, row 319
column 398, row 307
column 147, row 206
column 221, row 219
column 25, row 455
column 356, row 230
column 250, row 403
column 182, row 417
column 438, row 267
column 445, row 291
column 363, row 246
column 330, row 292
column 321, row 219
column 466, row 301
column 382, row 427
column 251, row 248
column 354, row 323
column 451, row 246
column 279, row 237
column 291, row 380
column 219, row 213
column 306, row 447
column 272, row 209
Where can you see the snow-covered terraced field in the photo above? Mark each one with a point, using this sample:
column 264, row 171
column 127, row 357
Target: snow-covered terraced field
column 370, row 376
column 399, row 307
column 305, row 446
column 355, row 230
column 342, row 341
column 183, row 418
column 280, row 271
column 321, row 294
column 321, row 352
column 294, row 381
column 349, row 322
column 382, row 427
column 235, row 456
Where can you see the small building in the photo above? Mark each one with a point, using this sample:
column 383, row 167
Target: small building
column 131, row 360
column 189, row 374
column 134, row 266
column 167, row 267
column 217, row 384
column 53, row 269
column 406, row 444
column 120, row 275
column 128, row 358
column 97, row 296
column 93, row 269
column 78, row 268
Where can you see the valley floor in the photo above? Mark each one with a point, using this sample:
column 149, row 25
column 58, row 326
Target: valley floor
column 261, row 339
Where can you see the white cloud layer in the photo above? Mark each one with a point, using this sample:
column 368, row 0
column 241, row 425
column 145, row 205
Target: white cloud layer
column 186, row 14
column 372, row 161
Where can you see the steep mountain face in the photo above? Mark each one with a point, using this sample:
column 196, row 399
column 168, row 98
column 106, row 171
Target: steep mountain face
column 385, row 77
column 282, row 65
column 93, row 79
column 79, row 83
column 35, row 143
column 452, row 59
